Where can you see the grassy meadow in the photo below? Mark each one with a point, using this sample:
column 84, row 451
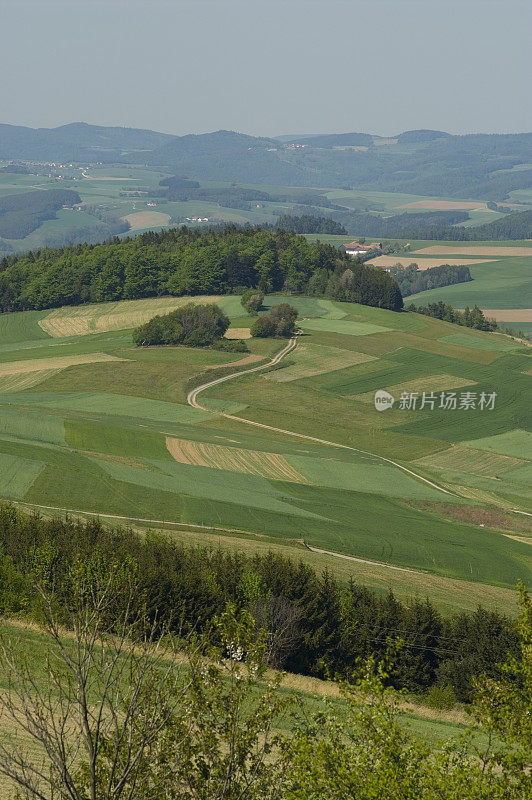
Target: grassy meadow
column 90, row 423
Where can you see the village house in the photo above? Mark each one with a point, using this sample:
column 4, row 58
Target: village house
column 356, row 248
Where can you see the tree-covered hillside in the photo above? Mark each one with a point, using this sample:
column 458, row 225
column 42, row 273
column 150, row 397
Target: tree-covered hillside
column 417, row 162
column 184, row 261
column 20, row 214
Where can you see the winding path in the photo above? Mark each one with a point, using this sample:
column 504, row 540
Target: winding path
column 292, row 344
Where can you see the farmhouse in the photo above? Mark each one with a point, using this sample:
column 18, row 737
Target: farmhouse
column 355, row 248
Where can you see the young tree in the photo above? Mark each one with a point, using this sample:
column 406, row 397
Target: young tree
column 279, row 321
column 96, row 712
column 252, row 301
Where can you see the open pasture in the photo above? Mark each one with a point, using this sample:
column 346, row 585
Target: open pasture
column 445, row 205
column 517, row 443
column 427, row 384
column 424, row 262
column 466, row 459
column 348, row 327
column 17, row 382
column 482, row 342
column 517, row 315
column 53, row 364
column 495, row 250
column 17, row 475
column 140, row 220
column 115, row 436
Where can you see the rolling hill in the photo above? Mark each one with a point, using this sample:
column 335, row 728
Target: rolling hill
column 423, row 498
column 486, row 166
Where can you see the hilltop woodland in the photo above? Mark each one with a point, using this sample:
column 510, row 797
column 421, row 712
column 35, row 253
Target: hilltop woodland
column 184, row 261
column 190, row 711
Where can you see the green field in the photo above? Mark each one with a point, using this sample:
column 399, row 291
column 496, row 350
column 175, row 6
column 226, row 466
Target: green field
column 92, row 437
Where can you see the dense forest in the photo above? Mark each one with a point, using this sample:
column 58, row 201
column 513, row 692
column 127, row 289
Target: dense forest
column 20, row 214
column 316, row 625
column 308, row 223
column 189, row 262
column 412, row 280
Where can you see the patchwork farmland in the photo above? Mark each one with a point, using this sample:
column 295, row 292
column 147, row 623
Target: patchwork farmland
column 91, row 424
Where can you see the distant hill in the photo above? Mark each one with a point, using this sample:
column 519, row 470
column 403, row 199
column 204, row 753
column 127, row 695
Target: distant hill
column 423, row 135
column 226, row 155
column 333, row 140
column 75, row 142
column 424, row 162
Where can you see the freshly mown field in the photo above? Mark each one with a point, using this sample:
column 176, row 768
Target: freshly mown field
column 92, row 424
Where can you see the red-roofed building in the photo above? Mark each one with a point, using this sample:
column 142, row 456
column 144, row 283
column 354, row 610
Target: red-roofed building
column 355, row 248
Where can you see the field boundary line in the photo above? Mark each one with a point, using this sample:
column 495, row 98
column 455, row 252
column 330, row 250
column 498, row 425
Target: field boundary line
column 292, row 344
column 361, row 560
column 129, row 519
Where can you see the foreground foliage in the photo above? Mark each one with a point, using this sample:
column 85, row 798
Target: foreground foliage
column 118, row 713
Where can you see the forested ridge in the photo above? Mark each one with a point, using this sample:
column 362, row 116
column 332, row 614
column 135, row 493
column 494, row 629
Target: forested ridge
column 431, row 225
column 189, row 262
column 430, row 163
column 20, row 214
column 316, row 625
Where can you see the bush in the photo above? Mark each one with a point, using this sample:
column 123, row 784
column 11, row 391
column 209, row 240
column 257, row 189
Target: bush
column 279, row 321
column 441, row 697
column 252, row 301
column 231, row 345
column 193, row 325
column 198, row 338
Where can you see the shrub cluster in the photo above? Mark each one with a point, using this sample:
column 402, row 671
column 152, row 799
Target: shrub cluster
column 252, row 300
column 193, row 325
column 279, row 321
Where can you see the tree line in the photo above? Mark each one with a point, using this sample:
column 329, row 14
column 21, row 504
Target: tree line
column 315, row 625
column 412, row 280
column 470, row 317
column 430, row 225
column 182, row 261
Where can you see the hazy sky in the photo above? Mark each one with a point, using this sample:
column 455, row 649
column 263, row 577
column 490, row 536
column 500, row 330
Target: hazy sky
column 268, row 67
